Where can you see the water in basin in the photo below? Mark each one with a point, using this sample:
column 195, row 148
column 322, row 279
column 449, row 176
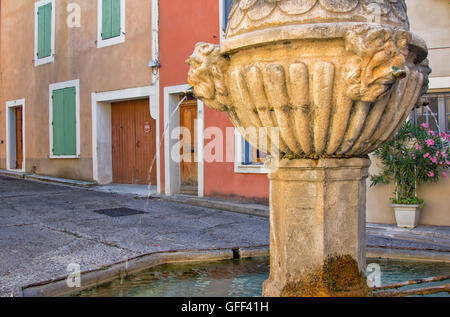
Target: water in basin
column 239, row 278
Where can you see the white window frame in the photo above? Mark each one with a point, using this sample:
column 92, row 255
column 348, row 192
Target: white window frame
column 10, row 105
column 57, row 86
column 51, row 58
column 115, row 40
column 239, row 153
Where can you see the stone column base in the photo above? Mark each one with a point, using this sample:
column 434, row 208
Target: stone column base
column 317, row 228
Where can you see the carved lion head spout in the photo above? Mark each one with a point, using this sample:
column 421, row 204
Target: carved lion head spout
column 206, row 75
column 424, row 68
column 382, row 54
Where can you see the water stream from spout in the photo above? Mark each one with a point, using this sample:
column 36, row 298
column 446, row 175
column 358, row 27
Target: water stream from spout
column 436, row 121
column 149, row 196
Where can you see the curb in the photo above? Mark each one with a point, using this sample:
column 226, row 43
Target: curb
column 242, row 208
column 416, row 255
column 47, row 179
column 422, row 231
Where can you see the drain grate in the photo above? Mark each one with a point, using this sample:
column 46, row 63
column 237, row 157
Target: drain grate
column 119, row 212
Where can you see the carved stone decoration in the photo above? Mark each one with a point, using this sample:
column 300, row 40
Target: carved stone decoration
column 324, row 106
column 339, row 5
column 206, row 74
column 259, row 14
column 336, row 78
column 382, row 54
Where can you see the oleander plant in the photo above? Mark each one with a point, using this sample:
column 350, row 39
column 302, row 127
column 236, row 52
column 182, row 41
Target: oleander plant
column 416, row 155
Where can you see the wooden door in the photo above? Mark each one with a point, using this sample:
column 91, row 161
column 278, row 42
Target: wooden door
column 189, row 166
column 19, row 138
column 133, row 142
column 145, row 143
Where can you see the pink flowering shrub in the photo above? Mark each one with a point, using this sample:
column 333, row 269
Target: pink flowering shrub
column 415, row 156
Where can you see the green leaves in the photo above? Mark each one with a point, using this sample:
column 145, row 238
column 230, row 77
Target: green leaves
column 415, row 156
column 408, row 201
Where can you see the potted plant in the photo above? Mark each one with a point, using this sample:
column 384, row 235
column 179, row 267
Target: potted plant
column 415, row 156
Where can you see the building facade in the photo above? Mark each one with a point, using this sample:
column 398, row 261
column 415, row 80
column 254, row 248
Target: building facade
column 430, row 20
column 216, row 168
column 76, row 89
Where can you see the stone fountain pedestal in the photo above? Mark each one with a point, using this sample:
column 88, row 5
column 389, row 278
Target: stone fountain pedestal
column 317, row 234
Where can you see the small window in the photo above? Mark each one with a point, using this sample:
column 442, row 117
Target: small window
column 44, row 32
column 252, row 156
column 429, row 114
column 64, row 121
column 111, row 22
column 436, row 114
column 248, row 159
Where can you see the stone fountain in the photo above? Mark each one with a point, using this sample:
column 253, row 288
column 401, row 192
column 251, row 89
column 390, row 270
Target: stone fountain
column 336, row 78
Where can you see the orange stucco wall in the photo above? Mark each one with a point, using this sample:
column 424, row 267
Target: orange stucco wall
column 182, row 24
column 76, row 57
column 220, row 178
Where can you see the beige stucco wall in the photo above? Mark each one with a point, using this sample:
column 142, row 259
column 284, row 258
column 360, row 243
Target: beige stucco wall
column 429, row 19
column 77, row 57
column 436, row 196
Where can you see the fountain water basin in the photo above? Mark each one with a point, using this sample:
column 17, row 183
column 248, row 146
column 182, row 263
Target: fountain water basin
column 241, row 278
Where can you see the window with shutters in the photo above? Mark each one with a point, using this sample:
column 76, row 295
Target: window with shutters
column 44, row 48
column 64, row 120
column 111, row 22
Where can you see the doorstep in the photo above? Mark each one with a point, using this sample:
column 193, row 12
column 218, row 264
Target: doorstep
column 138, row 191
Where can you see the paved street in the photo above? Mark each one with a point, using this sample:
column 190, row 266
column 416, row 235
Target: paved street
column 45, row 227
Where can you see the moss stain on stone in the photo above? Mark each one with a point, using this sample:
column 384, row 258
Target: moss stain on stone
column 338, row 277
column 341, row 273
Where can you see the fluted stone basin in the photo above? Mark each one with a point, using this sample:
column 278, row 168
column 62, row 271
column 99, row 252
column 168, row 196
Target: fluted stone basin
column 334, row 79
column 334, row 89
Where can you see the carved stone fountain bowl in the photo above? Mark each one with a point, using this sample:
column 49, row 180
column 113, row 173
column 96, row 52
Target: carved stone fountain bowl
column 332, row 90
column 326, row 99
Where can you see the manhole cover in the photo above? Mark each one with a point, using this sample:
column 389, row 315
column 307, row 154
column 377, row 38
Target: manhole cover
column 119, row 212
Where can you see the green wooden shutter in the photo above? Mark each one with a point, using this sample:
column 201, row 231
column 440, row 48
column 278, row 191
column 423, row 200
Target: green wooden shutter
column 44, row 31
column 115, row 28
column 64, row 122
column 58, row 122
column 70, row 123
column 111, row 26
